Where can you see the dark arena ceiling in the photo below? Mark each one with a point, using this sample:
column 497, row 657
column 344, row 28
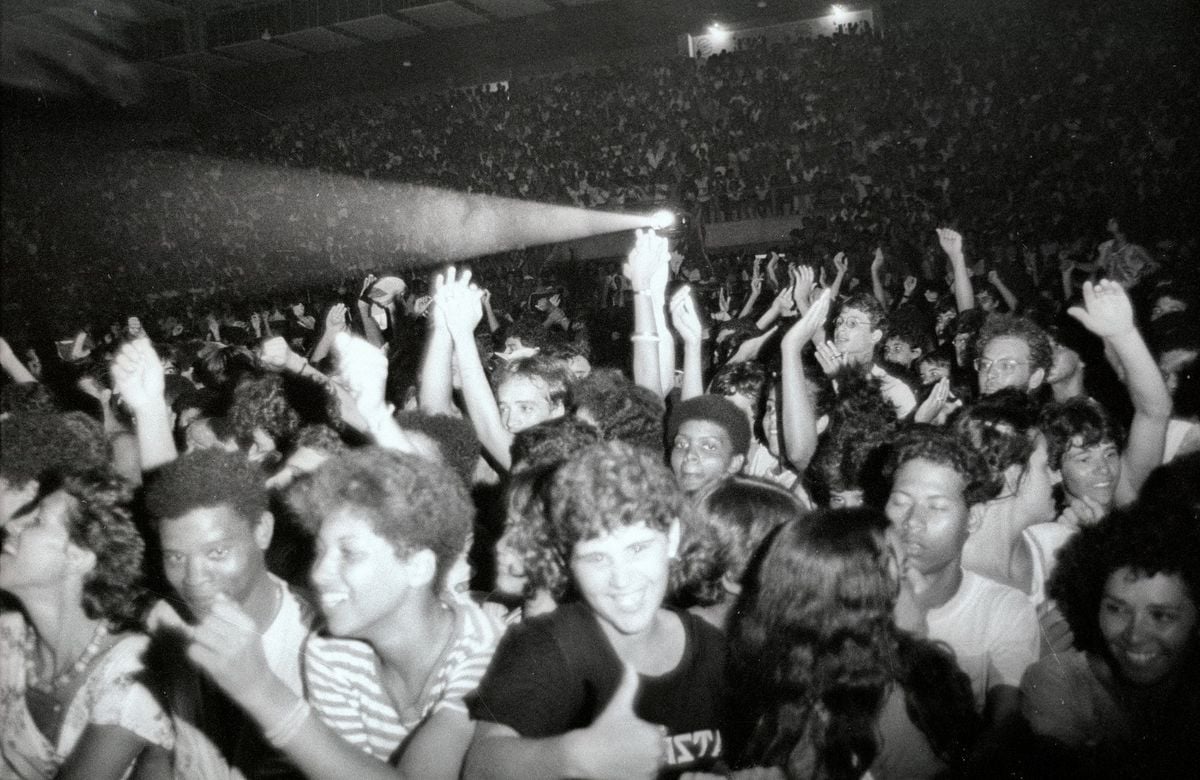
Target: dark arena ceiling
column 275, row 50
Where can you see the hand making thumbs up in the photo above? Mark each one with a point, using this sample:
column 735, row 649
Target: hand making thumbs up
column 619, row 744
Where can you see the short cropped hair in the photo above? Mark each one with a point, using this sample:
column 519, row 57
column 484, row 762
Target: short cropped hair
column 553, row 371
column 869, row 305
column 551, row 441
column 1041, row 354
column 411, row 502
column 207, row 478
column 1079, row 417
column 748, row 379
column 945, row 448
column 609, row 486
column 622, row 410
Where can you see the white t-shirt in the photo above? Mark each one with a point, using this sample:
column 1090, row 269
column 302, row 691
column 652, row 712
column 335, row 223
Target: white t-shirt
column 992, row 629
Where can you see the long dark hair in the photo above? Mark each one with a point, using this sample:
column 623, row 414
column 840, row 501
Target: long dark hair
column 814, row 652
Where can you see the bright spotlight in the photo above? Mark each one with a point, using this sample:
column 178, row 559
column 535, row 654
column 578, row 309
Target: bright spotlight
column 719, row 35
column 661, row 220
column 839, row 12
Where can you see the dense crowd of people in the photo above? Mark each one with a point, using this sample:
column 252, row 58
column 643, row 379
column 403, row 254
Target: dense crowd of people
column 914, row 493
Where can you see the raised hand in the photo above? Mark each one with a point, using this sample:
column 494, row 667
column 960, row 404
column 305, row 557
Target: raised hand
column 808, row 325
column 1106, row 310
column 803, row 280
column 1082, row 511
column 684, row 316
column 648, row 265
column 275, row 355
column 619, row 744
column 842, row 265
column 910, row 285
column 933, row 407
column 877, row 260
column 226, row 644
column 335, row 318
column 362, row 370
column 951, row 241
column 138, row 376
column 830, row 359
column 459, row 303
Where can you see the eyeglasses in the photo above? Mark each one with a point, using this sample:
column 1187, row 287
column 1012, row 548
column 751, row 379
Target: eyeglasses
column 850, row 322
column 1004, row 366
column 895, row 349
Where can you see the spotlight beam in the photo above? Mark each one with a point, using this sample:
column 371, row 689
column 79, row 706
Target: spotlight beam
column 178, row 208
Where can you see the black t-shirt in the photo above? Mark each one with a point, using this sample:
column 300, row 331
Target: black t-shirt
column 556, row 673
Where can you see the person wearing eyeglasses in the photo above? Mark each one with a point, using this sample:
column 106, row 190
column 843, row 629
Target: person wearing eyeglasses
column 857, row 331
column 1012, row 352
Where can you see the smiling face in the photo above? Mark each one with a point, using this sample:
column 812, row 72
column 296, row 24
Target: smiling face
column 359, row 578
column 211, row 550
column 1091, row 471
column 702, row 453
column 623, row 574
column 927, row 509
column 1148, row 624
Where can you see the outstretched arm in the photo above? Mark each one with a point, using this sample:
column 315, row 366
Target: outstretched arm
column 1010, row 299
column 363, row 369
column 799, row 417
column 12, row 365
column 964, row 293
column 435, row 393
column 1108, row 313
column 138, row 378
column 687, row 323
column 649, row 258
column 877, row 278
column 458, row 302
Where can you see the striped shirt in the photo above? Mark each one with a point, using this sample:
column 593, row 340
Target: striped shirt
column 342, row 678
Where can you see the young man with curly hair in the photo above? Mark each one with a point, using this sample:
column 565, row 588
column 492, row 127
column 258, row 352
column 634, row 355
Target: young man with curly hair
column 1012, row 351
column 614, row 684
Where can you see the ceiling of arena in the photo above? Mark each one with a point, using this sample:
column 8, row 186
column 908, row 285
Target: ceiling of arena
column 167, row 39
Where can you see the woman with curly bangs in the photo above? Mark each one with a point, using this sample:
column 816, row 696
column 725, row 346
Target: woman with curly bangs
column 1126, row 701
column 825, row 683
column 70, row 701
column 611, row 684
column 732, row 518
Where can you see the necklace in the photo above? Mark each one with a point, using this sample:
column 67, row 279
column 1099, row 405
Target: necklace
column 68, row 675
